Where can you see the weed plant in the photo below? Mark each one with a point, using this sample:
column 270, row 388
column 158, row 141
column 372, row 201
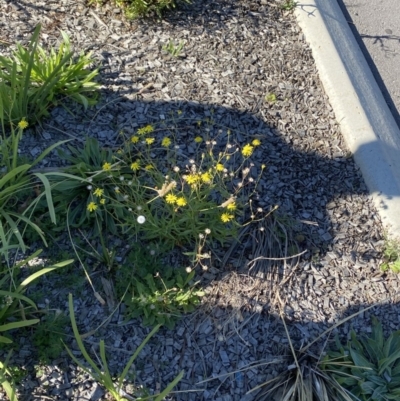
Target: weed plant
column 368, row 366
column 128, row 192
column 157, row 293
column 134, row 9
column 32, row 80
column 102, row 375
column 391, row 256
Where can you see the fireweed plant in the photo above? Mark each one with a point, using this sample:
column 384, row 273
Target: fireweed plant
column 145, row 189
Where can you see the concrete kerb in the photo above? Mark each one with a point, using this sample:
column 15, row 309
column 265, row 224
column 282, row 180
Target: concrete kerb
column 366, row 122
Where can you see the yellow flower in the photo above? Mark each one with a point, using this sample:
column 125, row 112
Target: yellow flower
column 231, row 206
column 166, row 142
column 117, row 190
column 192, row 179
column 263, row 166
column 149, row 141
column 135, row 165
column 23, row 124
column 91, row 207
column 102, row 201
column 206, row 177
column 149, row 167
column 181, row 201
column 99, row 192
column 247, row 150
column 198, row 139
column 256, row 142
column 106, row 166
column 219, row 167
column 135, row 139
column 226, row 217
column 145, row 130
column 179, row 112
column 171, row 198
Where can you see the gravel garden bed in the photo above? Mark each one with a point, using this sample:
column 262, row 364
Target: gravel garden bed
column 245, row 66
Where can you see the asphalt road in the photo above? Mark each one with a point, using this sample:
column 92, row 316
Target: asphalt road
column 376, row 27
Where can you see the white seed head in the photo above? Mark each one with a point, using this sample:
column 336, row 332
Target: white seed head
column 141, row 219
column 121, row 178
column 139, row 208
column 90, row 179
column 207, row 231
column 188, row 269
column 89, row 187
column 129, row 182
column 176, row 169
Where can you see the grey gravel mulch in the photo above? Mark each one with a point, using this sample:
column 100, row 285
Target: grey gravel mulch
column 235, row 53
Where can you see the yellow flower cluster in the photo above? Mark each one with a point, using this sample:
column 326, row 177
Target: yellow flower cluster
column 148, row 129
column 173, row 199
column 197, row 178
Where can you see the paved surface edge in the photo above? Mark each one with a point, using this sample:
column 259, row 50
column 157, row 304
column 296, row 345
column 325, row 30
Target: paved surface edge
column 366, row 122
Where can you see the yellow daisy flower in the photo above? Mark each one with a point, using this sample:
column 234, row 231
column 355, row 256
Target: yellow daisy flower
column 135, row 139
column 219, row 167
column 166, row 142
column 102, row 201
column 247, row 150
column 148, row 129
column 206, row 177
column 256, row 142
column 23, row 124
column 226, row 217
column 91, row 207
column 181, row 201
column 171, row 199
column 149, row 167
column 99, row 192
column 149, row 141
column 106, row 166
column 231, row 206
column 135, row 165
column 192, row 179
column 198, row 139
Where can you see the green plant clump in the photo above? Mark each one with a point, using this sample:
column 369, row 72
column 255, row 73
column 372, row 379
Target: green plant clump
column 140, row 8
column 160, row 295
column 32, row 80
column 102, row 375
column 391, row 256
column 369, row 367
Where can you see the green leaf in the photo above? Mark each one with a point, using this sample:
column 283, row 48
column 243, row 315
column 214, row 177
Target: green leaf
column 18, row 325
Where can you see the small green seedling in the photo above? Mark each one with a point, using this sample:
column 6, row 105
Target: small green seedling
column 288, row 5
column 270, row 98
column 173, row 50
